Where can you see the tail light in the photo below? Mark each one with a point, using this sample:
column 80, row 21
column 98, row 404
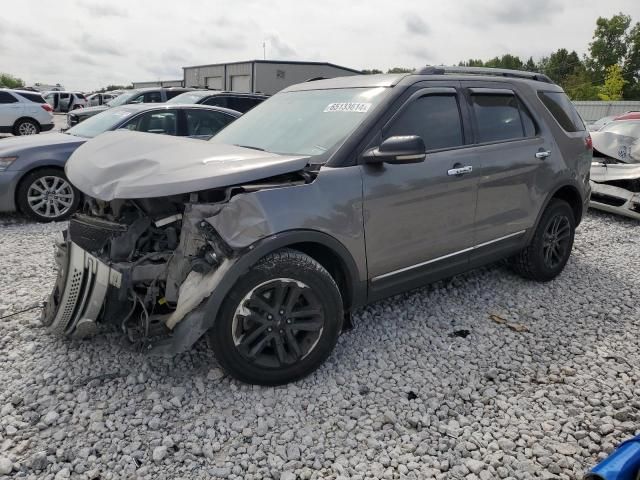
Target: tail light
column 47, row 107
column 588, row 142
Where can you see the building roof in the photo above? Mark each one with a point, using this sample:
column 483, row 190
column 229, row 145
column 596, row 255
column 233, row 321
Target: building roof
column 285, row 62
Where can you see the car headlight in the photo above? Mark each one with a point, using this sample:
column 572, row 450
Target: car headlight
column 5, row 162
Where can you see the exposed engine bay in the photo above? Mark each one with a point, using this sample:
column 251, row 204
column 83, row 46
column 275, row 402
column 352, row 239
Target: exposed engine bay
column 143, row 264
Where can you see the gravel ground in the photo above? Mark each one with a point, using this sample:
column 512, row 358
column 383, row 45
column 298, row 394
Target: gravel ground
column 427, row 384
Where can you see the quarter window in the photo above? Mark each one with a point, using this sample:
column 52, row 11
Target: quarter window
column 501, row 117
column 562, row 110
column 435, row 118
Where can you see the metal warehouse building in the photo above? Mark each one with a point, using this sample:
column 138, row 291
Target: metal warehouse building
column 266, row 76
column 158, row 83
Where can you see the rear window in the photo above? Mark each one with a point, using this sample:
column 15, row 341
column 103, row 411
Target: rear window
column 173, row 93
column 501, row 117
column 34, row 97
column 562, row 110
column 6, row 97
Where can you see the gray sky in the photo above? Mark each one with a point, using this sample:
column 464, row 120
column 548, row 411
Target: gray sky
column 87, row 44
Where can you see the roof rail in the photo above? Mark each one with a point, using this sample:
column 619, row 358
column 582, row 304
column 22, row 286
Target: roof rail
column 496, row 72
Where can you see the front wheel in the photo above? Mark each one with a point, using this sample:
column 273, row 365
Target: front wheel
column 47, row 195
column 279, row 322
column 547, row 254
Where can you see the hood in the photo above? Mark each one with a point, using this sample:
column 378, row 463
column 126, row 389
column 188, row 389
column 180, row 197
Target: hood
column 623, row 148
column 124, row 164
column 609, row 172
column 89, row 111
column 43, row 141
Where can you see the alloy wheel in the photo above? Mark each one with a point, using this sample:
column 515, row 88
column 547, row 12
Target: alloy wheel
column 27, row 128
column 278, row 323
column 556, row 240
column 50, row 196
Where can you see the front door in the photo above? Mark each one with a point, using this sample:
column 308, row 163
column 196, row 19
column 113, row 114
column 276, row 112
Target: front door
column 419, row 218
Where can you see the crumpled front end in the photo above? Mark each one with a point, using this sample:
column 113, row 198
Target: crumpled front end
column 143, row 265
column 615, row 188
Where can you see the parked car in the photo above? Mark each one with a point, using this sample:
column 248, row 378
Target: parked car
column 242, row 102
column 24, row 113
column 65, row 101
column 32, row 178
column 97, row 99
column 329, row 195
column 628, row 115
column 615, row 171
column 140, row 95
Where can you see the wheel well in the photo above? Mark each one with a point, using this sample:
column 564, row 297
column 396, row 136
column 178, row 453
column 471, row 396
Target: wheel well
column 332, row 262
column 26, row 118
column 570, row 195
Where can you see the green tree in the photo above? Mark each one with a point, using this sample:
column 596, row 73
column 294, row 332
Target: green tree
column 401, row 70
column 472, row 62
column 530, row 65
column 579, row 86
column 613, row 84
column 609, row 45
column 561, row 64
column 372, row 71
column 631, row 65
column 9, row 81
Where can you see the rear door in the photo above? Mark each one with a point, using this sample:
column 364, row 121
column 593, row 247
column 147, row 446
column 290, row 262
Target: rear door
column 511, row 155
column 10, row 109
column 419, row 218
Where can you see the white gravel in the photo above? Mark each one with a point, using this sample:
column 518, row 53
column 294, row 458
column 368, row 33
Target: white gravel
column 542, row 390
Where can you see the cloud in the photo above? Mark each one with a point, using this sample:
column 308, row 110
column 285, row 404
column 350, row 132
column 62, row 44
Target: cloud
column 276, row 48
column 103, row 10
column 84, row 59
column 513, row 12
column 97, row 46
column 417, row 25
column 220, row 42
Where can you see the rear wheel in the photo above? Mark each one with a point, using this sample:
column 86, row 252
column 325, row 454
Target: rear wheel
column 47, row 196
column 26, row 126
column 547, row 254
column 279, row 322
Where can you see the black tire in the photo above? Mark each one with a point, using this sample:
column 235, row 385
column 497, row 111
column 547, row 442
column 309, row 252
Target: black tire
column 312, row 281
column 24, row 125
column 533, row 262
column 66, row 201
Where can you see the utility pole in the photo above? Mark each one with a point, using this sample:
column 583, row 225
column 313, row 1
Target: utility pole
column 264, row 50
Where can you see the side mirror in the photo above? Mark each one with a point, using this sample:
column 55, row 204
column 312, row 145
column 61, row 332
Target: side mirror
column 398, row 150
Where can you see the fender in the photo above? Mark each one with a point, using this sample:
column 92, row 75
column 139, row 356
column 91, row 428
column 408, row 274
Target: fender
column 197, row 322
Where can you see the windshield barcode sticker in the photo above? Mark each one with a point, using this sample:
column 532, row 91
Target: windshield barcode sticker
column 348, row 107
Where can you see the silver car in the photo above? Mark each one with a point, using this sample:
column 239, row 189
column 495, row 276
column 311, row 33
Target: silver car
column 32, row 177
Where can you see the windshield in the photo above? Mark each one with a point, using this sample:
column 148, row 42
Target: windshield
column 122, row 99
column 306, row 122
column 625, row 127
column 100, row 123
column 189, row 97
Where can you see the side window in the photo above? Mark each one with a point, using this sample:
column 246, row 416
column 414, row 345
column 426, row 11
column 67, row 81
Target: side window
column 562, row 110
column 497, row 117
column 6, row 97
column 241, row 104
column 64, row 96
column 153, row 97
column 138, row 99
column 157, row 121
column 201, row 122
column 435, row 118
column 217, row 101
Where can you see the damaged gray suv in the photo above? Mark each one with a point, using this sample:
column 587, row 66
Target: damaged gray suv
column 330, row 195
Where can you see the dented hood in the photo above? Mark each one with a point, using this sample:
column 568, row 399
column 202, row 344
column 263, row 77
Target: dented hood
column 621, row 147
column 124, row 164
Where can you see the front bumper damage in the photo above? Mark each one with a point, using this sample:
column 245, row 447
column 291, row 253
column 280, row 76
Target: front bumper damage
column 615, row 188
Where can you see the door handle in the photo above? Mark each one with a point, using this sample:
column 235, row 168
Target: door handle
column 458, row 171
column 542, row 154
